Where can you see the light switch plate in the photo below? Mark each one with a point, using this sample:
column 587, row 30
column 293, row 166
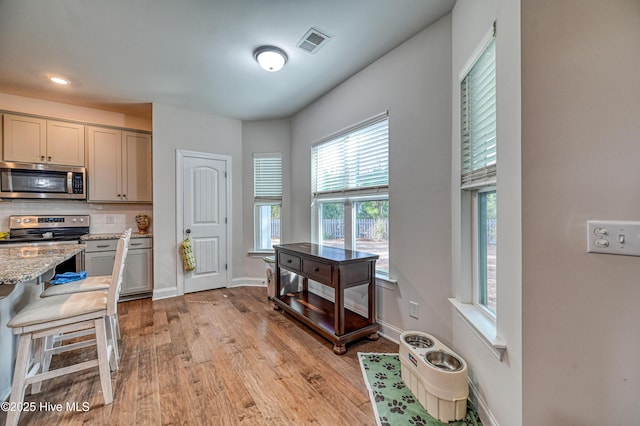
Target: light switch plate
column 613, row 237
column 414, row 309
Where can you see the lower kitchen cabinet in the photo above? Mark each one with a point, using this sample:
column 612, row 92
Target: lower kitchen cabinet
column 138, row 271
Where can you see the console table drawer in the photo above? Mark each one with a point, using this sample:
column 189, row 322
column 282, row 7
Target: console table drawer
column 289, row 262
column 317, row 271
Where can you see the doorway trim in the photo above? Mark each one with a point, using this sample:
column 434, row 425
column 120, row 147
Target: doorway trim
column 180, row 236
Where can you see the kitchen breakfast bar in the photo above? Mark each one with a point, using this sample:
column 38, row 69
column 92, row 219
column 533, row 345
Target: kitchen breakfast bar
column 23, row 271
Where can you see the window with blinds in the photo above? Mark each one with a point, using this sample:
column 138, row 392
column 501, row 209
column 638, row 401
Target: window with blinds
column 356, row 160
column 267, row 192
column 267, row 177
column 478, row 120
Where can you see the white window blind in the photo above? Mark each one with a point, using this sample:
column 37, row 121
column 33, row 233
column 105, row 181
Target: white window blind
column 354, row 160
column 478, row 120
column 267, row 177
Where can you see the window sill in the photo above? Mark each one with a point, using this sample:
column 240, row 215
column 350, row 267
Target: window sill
column 481, row 326
column 261, row 253
column 384, row 281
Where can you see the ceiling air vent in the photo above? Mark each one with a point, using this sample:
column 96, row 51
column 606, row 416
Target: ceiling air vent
column 312, row 41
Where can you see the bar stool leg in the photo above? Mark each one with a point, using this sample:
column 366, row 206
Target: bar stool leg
column 40, row 356
column 19, row 378
column 103, row 360
column 112, row 339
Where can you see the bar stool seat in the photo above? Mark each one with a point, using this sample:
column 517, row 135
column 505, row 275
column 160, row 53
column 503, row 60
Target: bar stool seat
column 88, row 284
column 65, row 307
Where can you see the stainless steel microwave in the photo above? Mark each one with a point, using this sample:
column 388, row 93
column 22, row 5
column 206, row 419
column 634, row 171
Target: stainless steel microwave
column 26, row 180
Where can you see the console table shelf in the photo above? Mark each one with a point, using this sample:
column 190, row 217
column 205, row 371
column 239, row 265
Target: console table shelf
column 336, row 268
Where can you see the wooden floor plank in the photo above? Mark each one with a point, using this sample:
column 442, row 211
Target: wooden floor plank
column 221, row 357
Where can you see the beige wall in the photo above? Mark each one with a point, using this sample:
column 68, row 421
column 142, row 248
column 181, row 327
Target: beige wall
column 263, row 136
column 497, row 383
column 580, row 161
column 71, row 112
column 412, row 83
column 173, row 129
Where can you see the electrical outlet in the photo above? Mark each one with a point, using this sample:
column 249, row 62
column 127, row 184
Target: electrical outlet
column 110, row 220
column 414, row 309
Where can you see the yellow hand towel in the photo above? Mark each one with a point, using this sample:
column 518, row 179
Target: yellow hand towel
column 188, row 260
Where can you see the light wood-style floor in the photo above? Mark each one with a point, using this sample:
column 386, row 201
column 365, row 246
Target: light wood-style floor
column 221, row 357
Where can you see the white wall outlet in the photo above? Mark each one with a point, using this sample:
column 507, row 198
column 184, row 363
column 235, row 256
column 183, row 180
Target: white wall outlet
column 613, row 237
column 110, row 220
column 414, row 309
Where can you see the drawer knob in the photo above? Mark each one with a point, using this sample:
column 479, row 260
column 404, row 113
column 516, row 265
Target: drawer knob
column 316, row 269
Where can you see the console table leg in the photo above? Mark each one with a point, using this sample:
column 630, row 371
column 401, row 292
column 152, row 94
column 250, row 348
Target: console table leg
column 339, row 349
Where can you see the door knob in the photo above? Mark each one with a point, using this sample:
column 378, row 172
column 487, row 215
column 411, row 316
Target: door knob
column 188, row 231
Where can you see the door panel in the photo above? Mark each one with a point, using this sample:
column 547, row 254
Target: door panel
column 204, row 214
column 206, row 252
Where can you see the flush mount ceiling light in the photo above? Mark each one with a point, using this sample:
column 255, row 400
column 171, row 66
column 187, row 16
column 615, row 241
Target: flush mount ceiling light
column 270, row 58
column 59, row 80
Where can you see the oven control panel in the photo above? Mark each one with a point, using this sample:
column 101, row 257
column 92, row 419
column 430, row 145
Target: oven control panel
column 41, row 221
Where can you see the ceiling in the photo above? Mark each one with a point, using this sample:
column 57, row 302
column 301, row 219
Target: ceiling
column 196, row 54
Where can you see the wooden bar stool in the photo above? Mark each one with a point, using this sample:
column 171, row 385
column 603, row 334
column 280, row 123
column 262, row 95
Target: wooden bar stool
column 48, row 317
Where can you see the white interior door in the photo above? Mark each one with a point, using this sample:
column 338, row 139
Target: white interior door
column 204, row 219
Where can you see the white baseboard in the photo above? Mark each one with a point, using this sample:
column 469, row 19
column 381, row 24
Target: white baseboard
column 390, row 332
column 164, row 293
column 248, row 282
column 483, row 410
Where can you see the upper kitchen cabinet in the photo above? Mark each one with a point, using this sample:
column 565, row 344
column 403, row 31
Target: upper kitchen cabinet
column 36, row 140
column 119, row 165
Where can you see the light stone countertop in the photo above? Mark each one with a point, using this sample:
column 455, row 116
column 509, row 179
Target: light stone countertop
column 19, row 264
column 113, row 236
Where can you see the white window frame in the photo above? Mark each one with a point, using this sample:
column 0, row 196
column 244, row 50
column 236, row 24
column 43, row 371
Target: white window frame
column 475, row 186
column 478, row 317
column 475, row 253
column 348, row 196
column 260, row 200
column 349, row 221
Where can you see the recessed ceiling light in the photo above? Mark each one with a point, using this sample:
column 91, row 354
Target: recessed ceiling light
column 270, row 58
column 59, row 80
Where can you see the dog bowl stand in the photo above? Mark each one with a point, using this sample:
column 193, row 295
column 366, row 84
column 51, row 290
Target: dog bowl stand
column 436, row 376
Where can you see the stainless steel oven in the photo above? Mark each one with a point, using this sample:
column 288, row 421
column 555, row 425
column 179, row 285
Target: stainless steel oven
column 49, row 230
column 27, row 180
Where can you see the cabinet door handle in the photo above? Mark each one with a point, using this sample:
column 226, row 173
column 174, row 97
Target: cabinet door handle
column 316, row 269
column 49, row 158
column 42, row 158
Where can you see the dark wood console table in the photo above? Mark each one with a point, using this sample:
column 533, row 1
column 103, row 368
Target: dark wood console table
column 336, row 268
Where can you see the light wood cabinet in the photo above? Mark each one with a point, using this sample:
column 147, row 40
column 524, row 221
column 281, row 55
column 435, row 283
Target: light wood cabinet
column 36, row 140
column 119, row 165
column 138, row 270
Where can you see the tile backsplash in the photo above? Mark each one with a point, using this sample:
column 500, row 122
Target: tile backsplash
column 105, row 218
